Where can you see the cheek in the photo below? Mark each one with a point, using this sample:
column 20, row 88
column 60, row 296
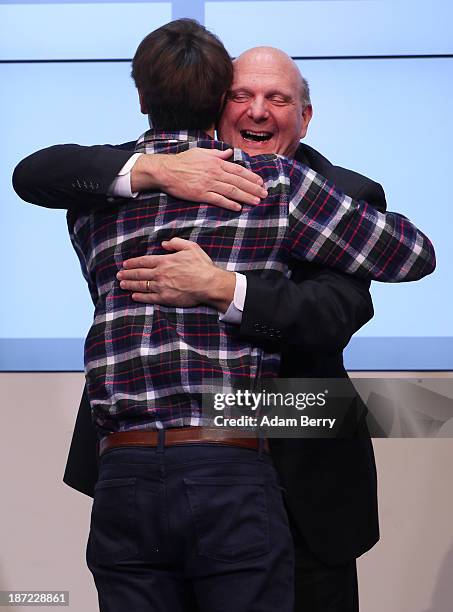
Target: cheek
column 223, row 122
column 288, row 134
column 225, row 119
column 230, row 113
column 228, row 122
column 290, row 127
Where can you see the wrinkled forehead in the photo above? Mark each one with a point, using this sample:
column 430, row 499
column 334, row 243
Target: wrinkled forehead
column 262, row 71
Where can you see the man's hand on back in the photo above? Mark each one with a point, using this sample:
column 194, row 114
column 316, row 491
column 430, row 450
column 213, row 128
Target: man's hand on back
column 188, row 277
column 199, row 175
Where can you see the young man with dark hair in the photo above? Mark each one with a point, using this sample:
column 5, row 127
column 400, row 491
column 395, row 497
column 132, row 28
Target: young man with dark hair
column 181, row 71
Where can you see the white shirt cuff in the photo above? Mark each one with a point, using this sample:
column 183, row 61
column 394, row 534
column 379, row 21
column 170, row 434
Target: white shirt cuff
column 234, row 312
column 121, row 185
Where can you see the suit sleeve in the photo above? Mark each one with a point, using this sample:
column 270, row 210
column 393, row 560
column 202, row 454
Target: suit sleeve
column 71, row 176
column 319, row 310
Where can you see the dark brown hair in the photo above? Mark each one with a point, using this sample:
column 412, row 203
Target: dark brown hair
column 182, row 72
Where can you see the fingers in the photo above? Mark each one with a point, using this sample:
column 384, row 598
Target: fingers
column 247, row 185
column 218, row 153
column 146, row 298
column 215, row 199
column 240, row 187
column 145, row 261
column 239, row 190
column 137, row 274
column 185, row 251
column 137, row 279
column 179, row 244
column 144, row 286
column 238, row 170
column 198, row 173
column 143, row 268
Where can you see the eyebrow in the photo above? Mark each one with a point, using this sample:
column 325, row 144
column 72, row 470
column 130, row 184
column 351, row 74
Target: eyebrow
column 234, row 90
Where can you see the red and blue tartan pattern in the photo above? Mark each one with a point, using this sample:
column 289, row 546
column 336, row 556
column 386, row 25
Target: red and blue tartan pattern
column 147, row 366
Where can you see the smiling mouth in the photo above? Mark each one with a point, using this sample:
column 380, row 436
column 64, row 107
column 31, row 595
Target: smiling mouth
column 256, row 136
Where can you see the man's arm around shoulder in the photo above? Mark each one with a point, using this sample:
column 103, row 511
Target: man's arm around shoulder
column 320, row 308
column 70, row 176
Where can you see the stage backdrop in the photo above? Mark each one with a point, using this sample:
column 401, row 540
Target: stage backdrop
column 381, row 78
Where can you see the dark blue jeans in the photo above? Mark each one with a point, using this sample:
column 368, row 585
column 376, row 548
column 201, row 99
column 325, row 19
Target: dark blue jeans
column 190, row 528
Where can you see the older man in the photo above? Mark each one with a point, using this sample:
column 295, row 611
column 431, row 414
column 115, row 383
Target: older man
column 330, row 484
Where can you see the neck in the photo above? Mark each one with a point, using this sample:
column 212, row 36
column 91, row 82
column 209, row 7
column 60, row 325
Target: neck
column 210, row 132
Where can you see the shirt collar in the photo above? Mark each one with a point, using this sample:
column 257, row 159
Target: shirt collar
column 154, row 135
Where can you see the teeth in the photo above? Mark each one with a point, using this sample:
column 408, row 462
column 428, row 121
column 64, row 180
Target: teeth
column 256, row 136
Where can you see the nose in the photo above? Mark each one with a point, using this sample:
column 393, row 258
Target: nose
column 258, row 110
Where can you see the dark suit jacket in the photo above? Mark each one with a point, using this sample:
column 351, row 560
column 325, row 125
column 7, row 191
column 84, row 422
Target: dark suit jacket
column 330, row 484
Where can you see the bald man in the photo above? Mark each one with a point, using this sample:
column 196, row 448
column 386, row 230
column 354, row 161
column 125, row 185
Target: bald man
column 330, row 484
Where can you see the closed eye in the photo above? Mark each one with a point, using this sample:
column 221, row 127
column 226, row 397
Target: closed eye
column 279, row 99
column 238, row 96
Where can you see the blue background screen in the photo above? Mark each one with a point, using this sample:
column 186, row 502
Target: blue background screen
column 380, row 74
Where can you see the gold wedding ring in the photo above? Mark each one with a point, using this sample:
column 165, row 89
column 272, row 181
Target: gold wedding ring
column 147, row 286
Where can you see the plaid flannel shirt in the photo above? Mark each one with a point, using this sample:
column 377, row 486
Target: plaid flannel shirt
column 147, row 366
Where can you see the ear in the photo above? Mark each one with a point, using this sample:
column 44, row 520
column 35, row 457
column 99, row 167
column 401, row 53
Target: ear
column 307, row 114
column 141, row 98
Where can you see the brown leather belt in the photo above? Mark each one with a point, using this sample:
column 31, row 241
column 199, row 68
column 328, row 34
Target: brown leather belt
column 179, row 436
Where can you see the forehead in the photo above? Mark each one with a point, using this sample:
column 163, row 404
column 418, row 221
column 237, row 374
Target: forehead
column 259, row 74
